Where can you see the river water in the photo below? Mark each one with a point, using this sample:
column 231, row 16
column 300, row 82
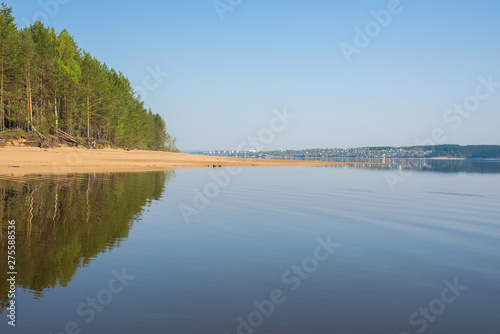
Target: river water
column 409, row 248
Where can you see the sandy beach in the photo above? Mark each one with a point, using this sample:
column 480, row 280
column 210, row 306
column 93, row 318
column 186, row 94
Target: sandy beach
column 30, row 160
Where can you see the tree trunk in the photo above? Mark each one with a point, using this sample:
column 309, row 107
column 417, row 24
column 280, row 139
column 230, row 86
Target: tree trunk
column 40, row 84
column 88, row 117
column 2, row 109
column 55, row 110
column 28, row 95
column 30, row 102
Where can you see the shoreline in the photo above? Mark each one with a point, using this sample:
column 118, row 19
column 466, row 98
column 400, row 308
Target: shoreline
column 16, row 160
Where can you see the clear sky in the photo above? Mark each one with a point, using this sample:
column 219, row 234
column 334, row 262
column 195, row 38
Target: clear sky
column 226, row 76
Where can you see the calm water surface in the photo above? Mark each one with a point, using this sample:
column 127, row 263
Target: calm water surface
column 405, row 249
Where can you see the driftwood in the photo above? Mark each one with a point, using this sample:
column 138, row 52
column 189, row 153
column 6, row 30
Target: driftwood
column 31, row 143
column 43, row 142
column 42, row 137
column 64, row 136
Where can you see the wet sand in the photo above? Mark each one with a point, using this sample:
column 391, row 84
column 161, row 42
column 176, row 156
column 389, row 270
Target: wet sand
column 30, row 160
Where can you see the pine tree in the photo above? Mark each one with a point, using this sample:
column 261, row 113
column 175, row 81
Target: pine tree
column 8, row 31
column 29, row 73
column 68, row 68
column 44, row 40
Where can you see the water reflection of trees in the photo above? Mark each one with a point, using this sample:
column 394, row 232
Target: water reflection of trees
column 449, row 166
column 63, row 222
column 433, row 165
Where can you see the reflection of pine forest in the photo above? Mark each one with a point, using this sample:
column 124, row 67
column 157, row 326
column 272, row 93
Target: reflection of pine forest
column 439, row 166
column 63, row 223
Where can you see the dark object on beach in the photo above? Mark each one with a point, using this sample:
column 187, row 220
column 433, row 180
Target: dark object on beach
column 45, row 143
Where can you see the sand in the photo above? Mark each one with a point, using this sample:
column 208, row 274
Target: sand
column 31, row 160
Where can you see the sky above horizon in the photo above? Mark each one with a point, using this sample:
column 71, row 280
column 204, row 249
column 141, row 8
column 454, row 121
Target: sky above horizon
column 352, row 73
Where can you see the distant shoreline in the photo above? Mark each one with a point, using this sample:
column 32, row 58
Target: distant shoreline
column 30, row 160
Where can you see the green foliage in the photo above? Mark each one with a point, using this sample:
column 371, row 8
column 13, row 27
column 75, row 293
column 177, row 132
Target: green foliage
column 47, row 81
column 469, row 151
column 14, row 133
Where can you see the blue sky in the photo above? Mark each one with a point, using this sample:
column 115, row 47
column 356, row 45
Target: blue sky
column 226, row 76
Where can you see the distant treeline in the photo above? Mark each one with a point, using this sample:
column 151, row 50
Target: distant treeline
column 429, row 151
column 453, row 151
column 47, row 82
